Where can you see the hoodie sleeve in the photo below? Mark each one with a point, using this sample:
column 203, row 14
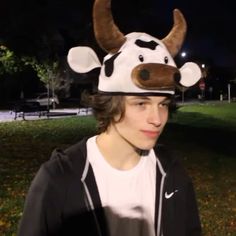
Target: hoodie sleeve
column 193, row 220
column 41, row 214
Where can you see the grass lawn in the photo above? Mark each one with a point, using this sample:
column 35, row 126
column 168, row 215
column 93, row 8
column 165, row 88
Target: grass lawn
column 203, row 136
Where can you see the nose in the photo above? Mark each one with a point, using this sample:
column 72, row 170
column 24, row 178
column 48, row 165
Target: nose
column 154, row 117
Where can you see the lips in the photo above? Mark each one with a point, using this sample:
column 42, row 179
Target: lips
column 150, row 133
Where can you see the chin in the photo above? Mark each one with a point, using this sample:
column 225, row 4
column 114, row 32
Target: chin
column 146, row 146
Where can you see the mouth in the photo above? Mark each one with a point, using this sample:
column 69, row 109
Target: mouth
column 150, row 133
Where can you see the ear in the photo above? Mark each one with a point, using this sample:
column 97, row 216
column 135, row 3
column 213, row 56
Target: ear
column 190, row 74
column 82, row 59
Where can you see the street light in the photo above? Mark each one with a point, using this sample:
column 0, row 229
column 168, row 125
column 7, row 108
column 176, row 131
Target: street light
column 183, row 54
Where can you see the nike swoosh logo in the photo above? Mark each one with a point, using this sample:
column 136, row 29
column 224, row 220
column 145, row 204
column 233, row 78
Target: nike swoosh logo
column 169, row 195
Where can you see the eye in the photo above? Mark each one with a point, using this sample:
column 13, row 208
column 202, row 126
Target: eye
column 140, row 104
column 140, row 57
column 165, row 104
column 166, row 60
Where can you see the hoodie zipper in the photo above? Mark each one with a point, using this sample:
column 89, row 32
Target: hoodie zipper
column 88, row 198
column 161, row 194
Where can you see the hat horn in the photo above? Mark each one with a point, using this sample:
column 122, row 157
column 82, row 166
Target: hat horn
column 174, row 40
column 107, row 34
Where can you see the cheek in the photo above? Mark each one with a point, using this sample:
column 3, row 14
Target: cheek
column 129, row 123
column 164, row 116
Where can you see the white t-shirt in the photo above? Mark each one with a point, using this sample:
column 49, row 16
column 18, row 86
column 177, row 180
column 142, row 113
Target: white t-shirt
column 128, row 196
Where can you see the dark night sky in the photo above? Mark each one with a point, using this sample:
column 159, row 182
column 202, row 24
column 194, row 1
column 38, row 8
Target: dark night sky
column 211, row 24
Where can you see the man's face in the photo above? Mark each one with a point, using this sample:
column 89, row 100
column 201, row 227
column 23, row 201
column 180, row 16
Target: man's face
column 143, row 121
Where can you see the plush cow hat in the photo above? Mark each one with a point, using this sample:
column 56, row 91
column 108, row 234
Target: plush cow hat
column 136, row 63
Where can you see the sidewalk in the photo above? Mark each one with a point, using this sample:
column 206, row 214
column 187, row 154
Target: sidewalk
column 7, row 116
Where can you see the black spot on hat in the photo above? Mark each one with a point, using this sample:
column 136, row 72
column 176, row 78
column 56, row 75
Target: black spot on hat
column 109, row 64
column 143, row 44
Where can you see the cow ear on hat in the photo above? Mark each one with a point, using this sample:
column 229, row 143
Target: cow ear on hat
column 190, row 74
column 82, row 59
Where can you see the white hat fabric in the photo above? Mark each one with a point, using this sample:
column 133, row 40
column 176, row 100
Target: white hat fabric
column 136, row 63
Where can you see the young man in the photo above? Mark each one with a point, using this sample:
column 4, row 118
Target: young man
column 120, row 182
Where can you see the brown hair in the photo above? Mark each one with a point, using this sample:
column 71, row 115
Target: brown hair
column 105, row 108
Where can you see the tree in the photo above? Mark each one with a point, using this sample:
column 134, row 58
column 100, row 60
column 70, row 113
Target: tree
column 47, row 72
column 10, row 63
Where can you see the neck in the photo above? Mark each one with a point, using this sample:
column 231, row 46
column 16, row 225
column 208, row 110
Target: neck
column 117, row 151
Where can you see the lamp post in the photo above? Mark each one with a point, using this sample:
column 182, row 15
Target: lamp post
column 229, row 89
column 202, row 83
column 229, row 95
column 183, row 55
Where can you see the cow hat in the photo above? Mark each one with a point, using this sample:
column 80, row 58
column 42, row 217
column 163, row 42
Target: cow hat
column 136, row 63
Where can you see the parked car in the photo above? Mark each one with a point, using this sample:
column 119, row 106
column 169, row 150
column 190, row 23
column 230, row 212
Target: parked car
column 43, row 100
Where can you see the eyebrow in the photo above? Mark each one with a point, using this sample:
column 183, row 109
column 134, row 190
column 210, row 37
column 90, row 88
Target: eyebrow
column 140, row 97
column 166, row 99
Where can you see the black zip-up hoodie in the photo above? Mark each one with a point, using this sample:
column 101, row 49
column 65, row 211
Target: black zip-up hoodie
column 63, row 198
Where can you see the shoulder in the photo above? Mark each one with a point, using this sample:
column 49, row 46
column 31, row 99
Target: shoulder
column 63, row 165
column 60, row 172
column 171, row 163
column 70, row 161
column 165, row 156
column 57, row 181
